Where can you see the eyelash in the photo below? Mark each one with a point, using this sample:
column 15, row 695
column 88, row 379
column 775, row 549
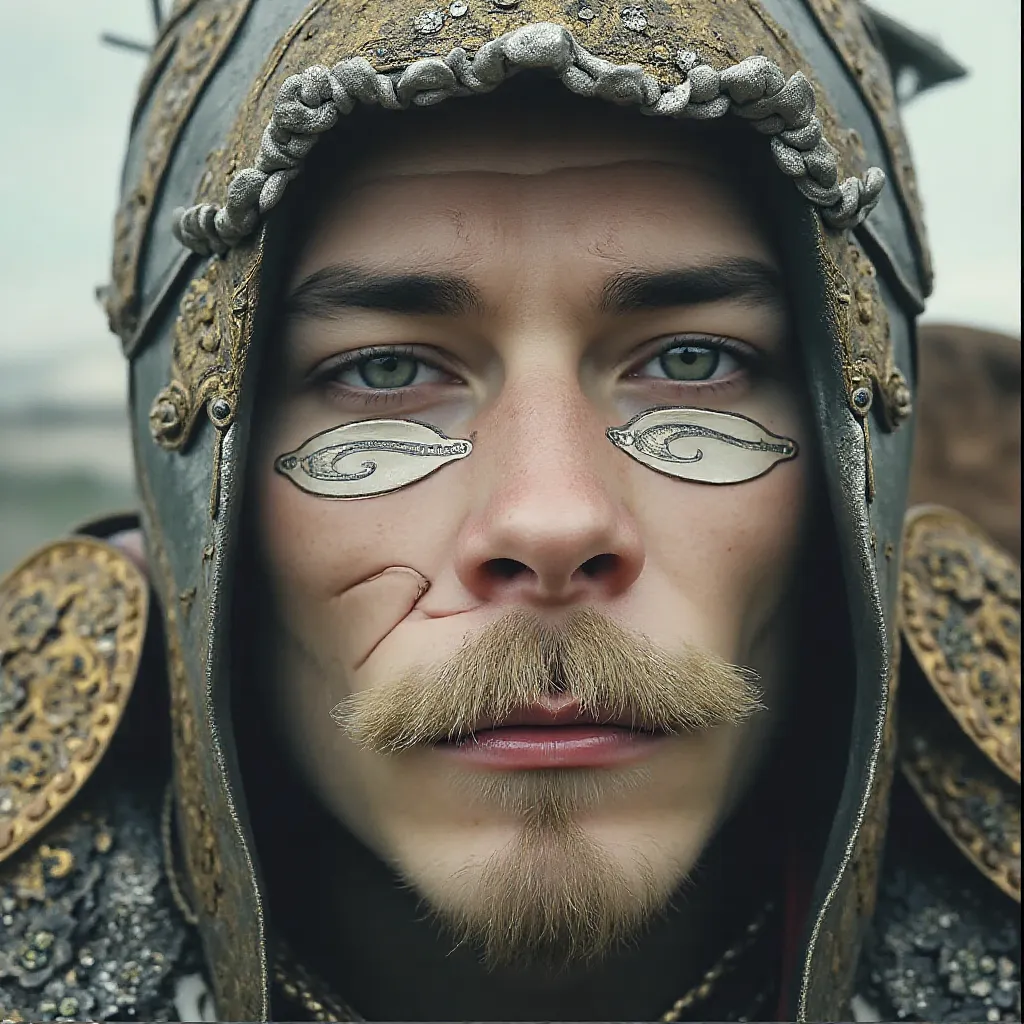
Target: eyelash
column 749, row 358
column 325, row 375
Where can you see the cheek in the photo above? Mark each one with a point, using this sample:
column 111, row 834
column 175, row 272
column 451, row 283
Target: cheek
column 316, row 548
column 728, row 553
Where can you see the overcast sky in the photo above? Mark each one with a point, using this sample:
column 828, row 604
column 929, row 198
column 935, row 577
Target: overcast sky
column 65, row 102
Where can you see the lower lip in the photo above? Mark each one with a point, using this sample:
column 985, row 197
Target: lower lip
column 518, row 748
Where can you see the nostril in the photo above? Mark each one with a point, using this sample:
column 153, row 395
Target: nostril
column 599, row 567
column 506, row 568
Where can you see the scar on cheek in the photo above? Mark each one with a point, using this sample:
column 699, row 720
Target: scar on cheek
column 422, row 583
column 374, row 607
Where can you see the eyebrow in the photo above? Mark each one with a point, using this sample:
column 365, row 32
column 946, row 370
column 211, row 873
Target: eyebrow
column 737, row 278
column 333, row 289
column 329, row 291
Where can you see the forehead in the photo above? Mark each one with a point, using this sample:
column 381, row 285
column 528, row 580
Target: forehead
column 531, row 163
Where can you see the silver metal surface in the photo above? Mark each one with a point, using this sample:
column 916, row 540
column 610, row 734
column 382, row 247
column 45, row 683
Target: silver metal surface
column 369, row 458
column 701, row 445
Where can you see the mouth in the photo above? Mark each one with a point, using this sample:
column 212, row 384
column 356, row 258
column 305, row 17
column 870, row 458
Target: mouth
column 554, row 735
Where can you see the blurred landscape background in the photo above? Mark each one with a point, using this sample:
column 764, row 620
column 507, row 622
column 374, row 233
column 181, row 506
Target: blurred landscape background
column 65, row 100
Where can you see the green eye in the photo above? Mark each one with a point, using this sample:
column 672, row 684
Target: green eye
column 388, row 371
column 689, row 362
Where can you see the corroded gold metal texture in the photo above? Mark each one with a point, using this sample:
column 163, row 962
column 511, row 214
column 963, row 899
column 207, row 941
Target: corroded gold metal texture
column 843, row 22
column 211, row 337
column 390, row 36
column 960, row 608
column 862, row 324
column 197, row 36
column 72, row 625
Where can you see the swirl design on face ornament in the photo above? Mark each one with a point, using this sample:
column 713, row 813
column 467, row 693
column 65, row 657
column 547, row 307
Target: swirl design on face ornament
column 404, row 452
column 702, row 445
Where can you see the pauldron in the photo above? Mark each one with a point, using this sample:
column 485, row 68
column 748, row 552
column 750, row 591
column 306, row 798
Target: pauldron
column 946, row 936
column 88, row 925
column 960, row 735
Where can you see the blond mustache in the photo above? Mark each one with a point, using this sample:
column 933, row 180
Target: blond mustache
column 615, row 675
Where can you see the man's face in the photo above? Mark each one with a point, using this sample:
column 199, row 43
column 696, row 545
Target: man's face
column 529, row 290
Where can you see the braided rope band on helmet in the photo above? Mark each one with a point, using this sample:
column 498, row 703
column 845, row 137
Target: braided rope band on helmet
column 311, row 102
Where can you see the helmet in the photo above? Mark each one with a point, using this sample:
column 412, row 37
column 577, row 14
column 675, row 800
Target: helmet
column 236, row 96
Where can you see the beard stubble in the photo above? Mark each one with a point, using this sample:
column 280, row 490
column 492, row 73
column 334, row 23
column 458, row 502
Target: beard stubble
column 553, row 895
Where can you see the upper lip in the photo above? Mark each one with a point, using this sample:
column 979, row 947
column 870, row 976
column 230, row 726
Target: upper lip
column 556, row 712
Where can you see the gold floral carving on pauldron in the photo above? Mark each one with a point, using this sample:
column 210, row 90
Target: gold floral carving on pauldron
column 72, row 626
column 211, row 337
column 960, row 608
column 843, row 22
column 976, row 806
column 198, row 47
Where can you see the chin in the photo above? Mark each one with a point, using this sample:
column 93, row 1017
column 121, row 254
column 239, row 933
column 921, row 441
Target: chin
column 553, row 884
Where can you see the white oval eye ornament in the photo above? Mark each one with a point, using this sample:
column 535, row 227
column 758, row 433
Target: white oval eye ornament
column 702, row 445
column 369, row 457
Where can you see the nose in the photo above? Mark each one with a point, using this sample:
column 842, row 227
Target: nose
column 552, row 527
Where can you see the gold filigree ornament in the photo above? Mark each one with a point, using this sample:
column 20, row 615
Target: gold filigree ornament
column 184, row 59
column 960, row 605
column 858, row 315
column 211, row 339
column 72, row 626
column 975, row 805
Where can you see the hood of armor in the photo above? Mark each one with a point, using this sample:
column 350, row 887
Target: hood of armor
column 236, row 94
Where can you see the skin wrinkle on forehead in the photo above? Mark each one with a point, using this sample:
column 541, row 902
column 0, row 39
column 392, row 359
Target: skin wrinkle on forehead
column 575, row 138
